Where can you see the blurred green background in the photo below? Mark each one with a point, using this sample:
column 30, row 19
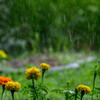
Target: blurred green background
column 49, row 25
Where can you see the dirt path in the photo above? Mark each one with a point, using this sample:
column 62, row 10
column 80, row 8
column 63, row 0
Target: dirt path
column 53, row 68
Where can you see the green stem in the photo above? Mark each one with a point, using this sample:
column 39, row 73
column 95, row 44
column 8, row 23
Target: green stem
column 94, row 79
column 43, row 71
column 66, row 96
column 12, row 93
column 34, row 98
column 33, row 82
column 34, row 89
column 82, row 94
column 76, row 92
column 3, row 89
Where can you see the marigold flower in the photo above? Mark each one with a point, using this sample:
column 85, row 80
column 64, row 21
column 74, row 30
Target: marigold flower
column 3, row 54
column 33, row 72
column 4, row 80
column 45, row 66
column 84, row 88
column 1, row 79
column 13, row 86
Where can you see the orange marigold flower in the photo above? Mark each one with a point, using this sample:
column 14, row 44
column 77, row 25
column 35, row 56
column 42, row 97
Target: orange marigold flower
column 4, row 80
column 1, row 79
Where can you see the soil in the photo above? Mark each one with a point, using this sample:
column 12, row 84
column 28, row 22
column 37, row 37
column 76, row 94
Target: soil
column 19, row 63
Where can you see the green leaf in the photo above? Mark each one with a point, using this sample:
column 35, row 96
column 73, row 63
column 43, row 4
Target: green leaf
column 97, row 89
column 58, row 90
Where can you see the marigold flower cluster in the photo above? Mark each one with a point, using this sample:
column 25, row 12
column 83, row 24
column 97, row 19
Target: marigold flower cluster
column 45, row 66
column 33, row 72
column 12, row 86
column 84, row 88
column 3, row 54
column 4, row 80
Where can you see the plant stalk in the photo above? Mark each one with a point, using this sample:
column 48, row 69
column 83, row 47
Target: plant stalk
column 43, row 71
column 82, row 94
column 34, row 89
column 66, row 96
column 76, row 92
column 94, row 79
column 3, row 90
column 12, row 93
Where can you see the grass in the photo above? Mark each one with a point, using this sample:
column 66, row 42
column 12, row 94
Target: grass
column 57, row 79
column 81, row 75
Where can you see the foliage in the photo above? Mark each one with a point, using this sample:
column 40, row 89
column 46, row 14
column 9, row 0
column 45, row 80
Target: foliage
column 30, row 25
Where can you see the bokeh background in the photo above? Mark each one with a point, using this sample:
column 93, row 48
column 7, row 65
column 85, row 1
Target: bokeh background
column 49, row 25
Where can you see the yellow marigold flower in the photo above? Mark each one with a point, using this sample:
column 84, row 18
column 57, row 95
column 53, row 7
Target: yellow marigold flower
column 3, row 54
column 12, row 86
column 45, row 66
column 84, row 88
column 33, row 72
